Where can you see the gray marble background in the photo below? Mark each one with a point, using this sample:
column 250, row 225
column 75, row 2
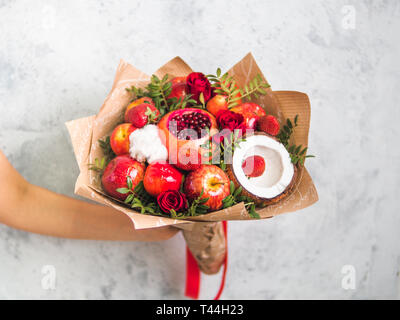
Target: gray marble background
column 57, row 62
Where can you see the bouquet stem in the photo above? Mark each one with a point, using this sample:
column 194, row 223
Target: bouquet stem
column 206, row 242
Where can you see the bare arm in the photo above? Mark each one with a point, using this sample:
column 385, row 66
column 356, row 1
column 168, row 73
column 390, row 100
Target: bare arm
column 31, row 208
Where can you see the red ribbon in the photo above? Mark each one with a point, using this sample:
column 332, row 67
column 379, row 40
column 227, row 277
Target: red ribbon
column 193, row 272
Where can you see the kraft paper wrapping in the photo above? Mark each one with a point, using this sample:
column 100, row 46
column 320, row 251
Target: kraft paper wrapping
column 206, row 241
column 86, row 132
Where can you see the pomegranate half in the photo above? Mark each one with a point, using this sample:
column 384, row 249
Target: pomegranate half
column 184, row 132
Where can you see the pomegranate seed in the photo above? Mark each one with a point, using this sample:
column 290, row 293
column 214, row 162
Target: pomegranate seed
column 193, row 121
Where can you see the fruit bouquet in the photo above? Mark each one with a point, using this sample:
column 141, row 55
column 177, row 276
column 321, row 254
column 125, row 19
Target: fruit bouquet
column 192, row 150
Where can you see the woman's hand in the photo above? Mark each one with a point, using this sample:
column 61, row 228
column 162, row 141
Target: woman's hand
column 31, row 208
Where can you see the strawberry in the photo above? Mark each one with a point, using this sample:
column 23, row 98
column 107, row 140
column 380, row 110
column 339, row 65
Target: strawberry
column 253, row 166
column 269, row 124
column 136, row 103
column 142, row 114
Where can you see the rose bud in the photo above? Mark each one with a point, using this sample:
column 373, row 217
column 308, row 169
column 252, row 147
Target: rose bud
column 172, row 200
column 197, row 83
column 229, row 120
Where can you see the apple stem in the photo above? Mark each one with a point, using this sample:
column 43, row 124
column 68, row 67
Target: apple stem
column 217, row 183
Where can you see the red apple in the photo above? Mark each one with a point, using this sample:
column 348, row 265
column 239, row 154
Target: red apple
column 212, row 180
column 216, row 104
column 137, row 102
column 178, row 88
column 251, row 112
column 116, row 173
column 178, row 80
column 119, row 139
column 161, row 176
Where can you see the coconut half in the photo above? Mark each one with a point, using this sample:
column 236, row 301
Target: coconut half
column 279, row 174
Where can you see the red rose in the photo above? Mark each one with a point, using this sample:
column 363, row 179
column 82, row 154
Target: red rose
column 229, row 120
column 172, row 200
column 197, row 83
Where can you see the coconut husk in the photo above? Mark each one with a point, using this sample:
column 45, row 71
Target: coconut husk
column 262, row 202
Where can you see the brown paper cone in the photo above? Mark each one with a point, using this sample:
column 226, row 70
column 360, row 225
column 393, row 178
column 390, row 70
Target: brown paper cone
column 206, row 241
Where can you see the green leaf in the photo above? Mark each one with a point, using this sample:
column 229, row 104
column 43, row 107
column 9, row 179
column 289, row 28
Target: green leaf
column 237, row 192
column 223, row 166
column 129, row 182
column 201, row 98
column 253, row 213
column 232, row 187
column 226, row 205
column 261, row 91
column 226, row 199
column 149, row 209
column 123, row 190
column 173, row 213
column 254, row 88
column 167, row 86
column 204, row 200
column 129, row 198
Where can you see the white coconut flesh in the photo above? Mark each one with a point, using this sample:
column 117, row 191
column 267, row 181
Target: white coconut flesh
column 278, row 171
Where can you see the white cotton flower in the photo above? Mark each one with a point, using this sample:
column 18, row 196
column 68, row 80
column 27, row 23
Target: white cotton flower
column 146, row 145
